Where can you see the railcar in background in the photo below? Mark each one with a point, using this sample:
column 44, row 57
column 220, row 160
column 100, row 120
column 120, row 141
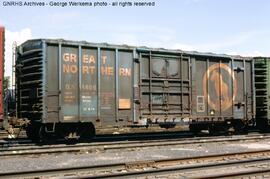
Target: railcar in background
column 69, row 88
column 262, row 84
column 2, row 41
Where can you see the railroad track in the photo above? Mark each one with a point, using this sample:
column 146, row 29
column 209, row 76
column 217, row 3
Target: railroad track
column 6, row 135
column 3, row 134
column 110, row 137
column 209, row 166
column 24, row 142
column 121, row 145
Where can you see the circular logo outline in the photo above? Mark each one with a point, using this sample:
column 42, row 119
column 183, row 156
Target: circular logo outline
column 211, row 69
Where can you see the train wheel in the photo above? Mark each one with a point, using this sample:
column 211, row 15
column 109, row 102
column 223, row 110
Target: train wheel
column 63, row 131
column 262, row 125
column 239, row 127
column 194, row 129
column 44, row 137
column 218, row 128
column 214, row 130
column 29, row 130
column 32, row 132
column 86, row 131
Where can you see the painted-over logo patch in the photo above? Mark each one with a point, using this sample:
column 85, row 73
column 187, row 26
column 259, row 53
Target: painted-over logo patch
column 217, row 89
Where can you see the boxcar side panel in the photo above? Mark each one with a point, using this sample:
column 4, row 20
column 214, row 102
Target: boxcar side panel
column 88, row 86
column 222, row 88
column 52, row 55
column 69, row 84
column 249, row 90
column 164, row 87
column 107, row 85
column 74, row 92
column 239, row 101
column 226, row 85
column 125, row 72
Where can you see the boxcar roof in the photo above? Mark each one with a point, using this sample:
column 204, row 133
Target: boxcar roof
column 139, row 48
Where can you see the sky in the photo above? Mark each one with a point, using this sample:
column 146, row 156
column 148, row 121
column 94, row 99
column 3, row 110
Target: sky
column 234, row 27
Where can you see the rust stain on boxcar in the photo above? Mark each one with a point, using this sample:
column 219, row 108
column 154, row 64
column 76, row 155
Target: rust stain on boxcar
column 213, row 75
column 124, row 104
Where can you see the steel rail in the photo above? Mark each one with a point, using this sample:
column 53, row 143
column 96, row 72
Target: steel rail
column 236, row 174
column 49, row 149
column 118, row 170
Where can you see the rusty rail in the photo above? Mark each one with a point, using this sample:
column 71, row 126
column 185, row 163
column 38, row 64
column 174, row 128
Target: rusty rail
column 50, row 149
column 156, row 167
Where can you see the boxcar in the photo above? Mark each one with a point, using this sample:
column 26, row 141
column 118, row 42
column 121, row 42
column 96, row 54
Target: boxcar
column 70, row 88
column 262, row 76
column 2, row 38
